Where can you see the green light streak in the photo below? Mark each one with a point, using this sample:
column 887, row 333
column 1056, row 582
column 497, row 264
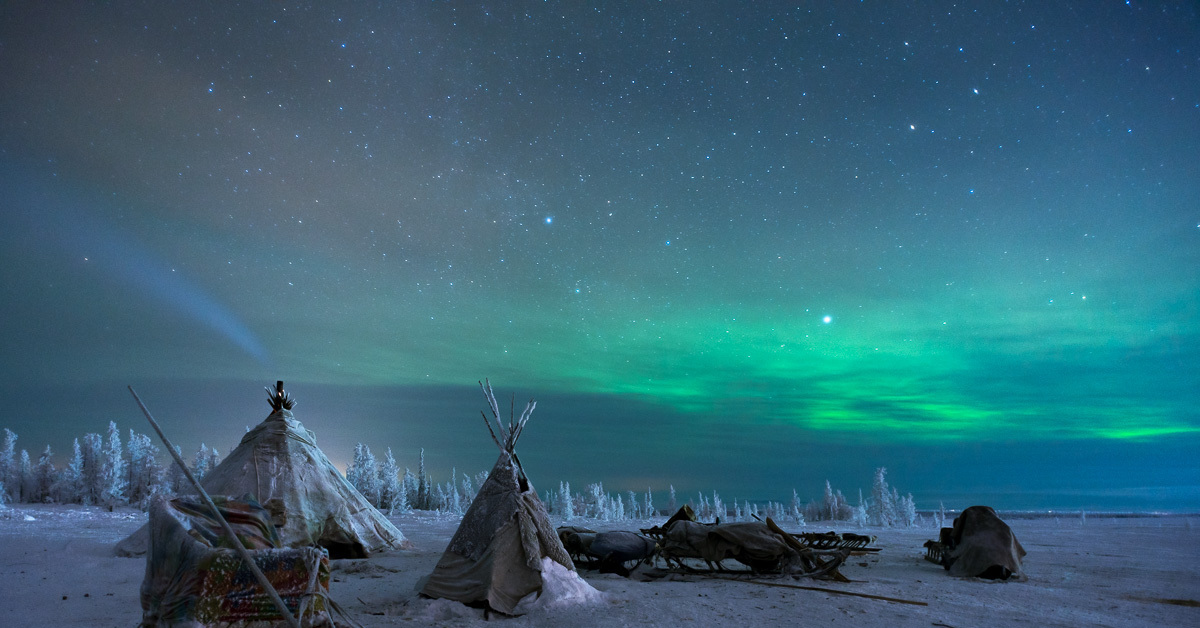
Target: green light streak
column 913, row 373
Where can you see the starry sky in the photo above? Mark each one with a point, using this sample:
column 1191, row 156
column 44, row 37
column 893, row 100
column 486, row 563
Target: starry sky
column 743, row 247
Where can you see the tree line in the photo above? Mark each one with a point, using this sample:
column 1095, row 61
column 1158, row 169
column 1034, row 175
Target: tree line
column 106, row 471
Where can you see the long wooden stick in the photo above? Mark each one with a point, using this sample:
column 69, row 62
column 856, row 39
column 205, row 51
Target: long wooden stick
column 837, row 592
column 237, row 545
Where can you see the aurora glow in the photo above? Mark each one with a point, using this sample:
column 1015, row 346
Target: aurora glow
column 730, row 247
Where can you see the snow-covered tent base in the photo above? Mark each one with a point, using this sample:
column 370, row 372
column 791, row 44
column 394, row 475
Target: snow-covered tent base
column 195, row 578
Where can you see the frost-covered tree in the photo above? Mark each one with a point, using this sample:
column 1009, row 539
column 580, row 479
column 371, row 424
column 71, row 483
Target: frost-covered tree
column 411, row 487
column 25, row 478
column 8, row 466
column 112, row 471
column 200, row 466
column 480, row 479
column 598, row 502
column 423, row 487
column 175, row 477
column 363, row 474
column 44, row 475
column 796, row 509
column 882, row 509
column 144, row 476
column 93, row 469
column 718, row 507
column 370, row 477
column 468, row 488
column 566, row 501
column 672, row 504
column 354, row 471
column 908, row 511
column 648, row 505
column 391, row 491
column 68, row 486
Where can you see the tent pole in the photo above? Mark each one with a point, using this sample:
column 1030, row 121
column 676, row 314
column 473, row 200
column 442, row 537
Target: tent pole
column 237, row 545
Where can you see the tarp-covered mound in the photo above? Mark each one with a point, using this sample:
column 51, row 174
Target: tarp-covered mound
column 195, row 577
column 982, row 545
column 279, row 463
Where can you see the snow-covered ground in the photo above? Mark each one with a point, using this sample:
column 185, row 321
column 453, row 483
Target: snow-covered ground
column 59, row 570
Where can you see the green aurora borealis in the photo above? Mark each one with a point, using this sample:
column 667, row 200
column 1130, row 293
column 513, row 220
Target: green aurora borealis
column 737, row 247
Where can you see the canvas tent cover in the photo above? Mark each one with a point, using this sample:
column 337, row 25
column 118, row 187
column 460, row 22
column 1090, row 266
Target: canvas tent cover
column 194, row 576
column 496, row 556
column 982, row 544
column 279, row 463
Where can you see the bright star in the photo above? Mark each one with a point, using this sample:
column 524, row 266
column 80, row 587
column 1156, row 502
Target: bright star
column 549, row 219
column 828, row 319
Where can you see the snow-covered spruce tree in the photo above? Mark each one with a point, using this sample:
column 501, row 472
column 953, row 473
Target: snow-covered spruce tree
column 8, row 466
column 830, row 512
column 797, row 509
column 480, row 479
column 908, row 511
column 25, row 478
column 143, row 470
column 391, row 491
column 423, row 485
column 454, row 503
column 370, row 478
column 410, row 485
column 635, row 511
column 567, row 503
column 598, row 502
column 93, row 469
column 68, row 484
column 176, row 479
column 113, row 470
column 355, row 470
column 882, row 509
column 672, row 504
column 44, row 475
column 648, row 506
column 363, row 474
column 204, row 461
column 468, row 489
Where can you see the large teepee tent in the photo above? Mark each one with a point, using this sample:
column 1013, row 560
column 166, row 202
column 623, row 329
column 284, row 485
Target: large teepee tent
column 505, row 548
column 279, row 463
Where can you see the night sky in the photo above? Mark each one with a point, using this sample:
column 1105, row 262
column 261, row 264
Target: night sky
column 731, row 246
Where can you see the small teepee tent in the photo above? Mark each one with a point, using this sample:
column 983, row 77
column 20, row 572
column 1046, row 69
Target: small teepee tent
column 279, row 463
column 505, row 548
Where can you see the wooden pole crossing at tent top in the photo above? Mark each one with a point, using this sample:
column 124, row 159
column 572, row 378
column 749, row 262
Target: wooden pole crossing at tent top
column 237, row 545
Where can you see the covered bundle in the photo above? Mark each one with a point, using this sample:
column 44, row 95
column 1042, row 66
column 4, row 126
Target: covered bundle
column 981, row 545
column 505, row 549
column 194, row 576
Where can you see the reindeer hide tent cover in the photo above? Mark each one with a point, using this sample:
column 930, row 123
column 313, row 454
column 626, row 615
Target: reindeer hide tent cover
column 505, row 545
column 279, row 463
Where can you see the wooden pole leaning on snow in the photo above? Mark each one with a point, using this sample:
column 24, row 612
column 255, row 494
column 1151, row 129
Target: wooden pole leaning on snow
column 237, row 545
